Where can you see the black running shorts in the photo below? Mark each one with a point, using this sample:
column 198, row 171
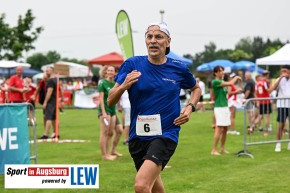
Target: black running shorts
column 158, row 150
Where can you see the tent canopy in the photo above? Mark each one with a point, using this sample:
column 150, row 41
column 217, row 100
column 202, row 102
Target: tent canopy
column 69, row 69
column 253, row 69
column 112, row 58
column 26, row 72
column 203, row 68
column 280, row 57
column 174, row 56
column 243, row 65
column 223, row 63
column 13, row 64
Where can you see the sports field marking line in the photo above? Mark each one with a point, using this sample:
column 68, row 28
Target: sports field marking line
column 60, row 141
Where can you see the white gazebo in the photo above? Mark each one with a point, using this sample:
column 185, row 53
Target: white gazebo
column 280, row 57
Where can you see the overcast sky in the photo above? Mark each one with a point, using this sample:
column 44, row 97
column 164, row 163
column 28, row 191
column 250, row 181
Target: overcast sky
column 85, row 29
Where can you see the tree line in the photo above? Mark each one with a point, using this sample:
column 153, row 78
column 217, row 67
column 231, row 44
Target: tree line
column 18, row 40
column 247, row 48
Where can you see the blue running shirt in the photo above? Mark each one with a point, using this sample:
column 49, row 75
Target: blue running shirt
column 156, row 92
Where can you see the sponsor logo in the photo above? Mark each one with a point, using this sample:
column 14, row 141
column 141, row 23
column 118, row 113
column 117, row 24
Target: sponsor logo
column 8, row 139
column 123, row 27
column 51, row 176
column 153, row 156
column 169, row 80
column 177, row 61
column 147, row 118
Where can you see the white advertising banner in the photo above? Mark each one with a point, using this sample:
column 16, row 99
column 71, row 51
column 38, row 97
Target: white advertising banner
column 51, row 176
column 83, row 100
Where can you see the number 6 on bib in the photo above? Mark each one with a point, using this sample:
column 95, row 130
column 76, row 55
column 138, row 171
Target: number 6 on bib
column 148, row 125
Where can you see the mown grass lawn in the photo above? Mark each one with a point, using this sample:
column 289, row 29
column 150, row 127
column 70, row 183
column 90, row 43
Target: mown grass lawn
column 193, row 169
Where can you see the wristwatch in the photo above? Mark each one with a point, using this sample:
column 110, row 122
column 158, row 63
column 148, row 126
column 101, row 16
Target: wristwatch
column 192, row 106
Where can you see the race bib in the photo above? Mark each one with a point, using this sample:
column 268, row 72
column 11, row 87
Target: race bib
column 148, row 125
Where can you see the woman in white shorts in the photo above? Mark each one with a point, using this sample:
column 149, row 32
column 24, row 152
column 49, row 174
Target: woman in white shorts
column 221, row 109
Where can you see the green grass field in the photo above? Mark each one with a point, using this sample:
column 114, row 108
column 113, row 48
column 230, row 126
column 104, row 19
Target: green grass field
column 193, row 169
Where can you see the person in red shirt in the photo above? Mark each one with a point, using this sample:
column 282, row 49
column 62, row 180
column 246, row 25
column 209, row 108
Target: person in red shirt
column 41, row 92
column 31, row 90
column 16, row 87
column 5, row 90
column 28, row 97
column 233, row 103
column 262, row 91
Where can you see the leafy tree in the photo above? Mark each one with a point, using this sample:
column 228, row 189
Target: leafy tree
column 53, row 56
column 5, row 31
column 74, row 60
column 37, row 60
column 271, row 47
column 237, row 55
column 223, row 54
column 258, row 47
column 245, row 44
column 209, row 53
column 18, row 39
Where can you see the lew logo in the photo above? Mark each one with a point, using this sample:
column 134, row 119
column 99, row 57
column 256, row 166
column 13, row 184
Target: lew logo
column 84, row 175
column 122, row 28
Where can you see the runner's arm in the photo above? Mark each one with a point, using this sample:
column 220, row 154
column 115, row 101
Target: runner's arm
column 115, row 94
column 117, row 91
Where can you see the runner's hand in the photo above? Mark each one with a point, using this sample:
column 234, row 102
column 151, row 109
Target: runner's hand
column 184, row 116
column 131, row 78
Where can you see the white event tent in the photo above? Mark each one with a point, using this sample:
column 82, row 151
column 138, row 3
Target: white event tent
column 280, row 57
column 74, row 70
column 12, row 64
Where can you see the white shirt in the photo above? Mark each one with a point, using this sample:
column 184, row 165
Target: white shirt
column 124, row 100
column 284, row 91
column 202, row 87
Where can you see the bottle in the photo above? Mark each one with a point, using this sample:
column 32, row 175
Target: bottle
column 106, row 121
column 270, row 128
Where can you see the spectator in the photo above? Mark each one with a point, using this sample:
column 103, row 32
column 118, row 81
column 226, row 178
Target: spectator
column 70, row 85
column 49, row 104
column 232, row 100
column 213, row 125
column 221, row 109
column 40, row 93
column 249, row 92
column 78, row 85
column 201, row 84
column 61, row 96
column 283, row 105
column 182, row 98
column 125, row 108
column 2, row 92
column 266, row 77
column 5, row 90
column 70, row 88
column 16, row 87
column 28, row 96
column 107, row 114
column 265, row 108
